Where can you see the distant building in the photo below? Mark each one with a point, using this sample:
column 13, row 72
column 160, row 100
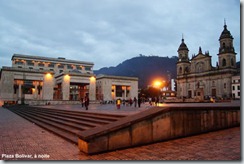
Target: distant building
column 40, row 80
column 198, row 79
column 110, row 88
column 172, row 84
column 236, row 87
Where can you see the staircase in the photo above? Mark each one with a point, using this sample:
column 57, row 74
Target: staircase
column 66, row 124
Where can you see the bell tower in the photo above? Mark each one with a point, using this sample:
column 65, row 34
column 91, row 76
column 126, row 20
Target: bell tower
column 183, row 64
column 227, row 55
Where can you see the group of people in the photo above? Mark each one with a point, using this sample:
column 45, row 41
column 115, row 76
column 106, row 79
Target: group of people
column 153, row 101
column 130, row 102
column 135, row 101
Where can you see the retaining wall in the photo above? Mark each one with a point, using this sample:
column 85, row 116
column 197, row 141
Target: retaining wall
column 158, row 124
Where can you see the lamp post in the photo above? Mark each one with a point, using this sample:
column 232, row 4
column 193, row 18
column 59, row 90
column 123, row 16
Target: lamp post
column 159, row 85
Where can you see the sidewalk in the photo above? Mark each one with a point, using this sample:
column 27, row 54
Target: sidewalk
column 19, row 136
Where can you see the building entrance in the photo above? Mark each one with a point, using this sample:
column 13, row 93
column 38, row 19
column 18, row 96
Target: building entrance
column 78, row 91
column 213, row 92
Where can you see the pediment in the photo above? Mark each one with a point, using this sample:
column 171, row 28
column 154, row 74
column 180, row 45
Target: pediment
column 200, row 56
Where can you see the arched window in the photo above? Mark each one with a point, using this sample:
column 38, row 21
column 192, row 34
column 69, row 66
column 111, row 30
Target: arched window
column 186, row 69
column 223, row 62
column 232, row 62
column 180, row 70
column 223, row 45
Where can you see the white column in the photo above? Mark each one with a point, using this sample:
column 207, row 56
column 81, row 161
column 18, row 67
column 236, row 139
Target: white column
column 66, row 87
column 36, row 91
column 92, row 89
column 125, row 93
column 20, row 91
column 47, row 88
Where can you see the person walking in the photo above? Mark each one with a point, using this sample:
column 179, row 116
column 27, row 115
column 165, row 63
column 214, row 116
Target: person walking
column 139, row 102
column 82, row 102
column 118, row 103
column 150, row 101
column 130, row 102
column 135, row 101
column 86, row 102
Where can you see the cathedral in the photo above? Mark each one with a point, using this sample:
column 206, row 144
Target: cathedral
column 198, row 80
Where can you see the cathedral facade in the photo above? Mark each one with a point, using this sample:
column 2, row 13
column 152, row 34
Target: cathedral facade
column 197, row 79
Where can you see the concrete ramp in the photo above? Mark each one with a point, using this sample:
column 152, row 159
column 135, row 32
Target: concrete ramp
column 157, row 124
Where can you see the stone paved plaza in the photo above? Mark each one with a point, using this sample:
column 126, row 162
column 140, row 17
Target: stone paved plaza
column 20, row 138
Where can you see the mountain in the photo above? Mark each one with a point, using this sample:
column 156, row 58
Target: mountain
column 146, row 68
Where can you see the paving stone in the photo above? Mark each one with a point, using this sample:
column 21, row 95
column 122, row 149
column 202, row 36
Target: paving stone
column 22, row 137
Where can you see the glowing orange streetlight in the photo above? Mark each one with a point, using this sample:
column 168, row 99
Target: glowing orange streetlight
column 157, row 84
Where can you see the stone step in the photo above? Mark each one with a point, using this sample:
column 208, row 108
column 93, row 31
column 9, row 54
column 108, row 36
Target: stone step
column 72, row 115
column 66, row 135
column 61, row 121
column 51, row 123
column 66, row 124
column 102, row 116
column 77, row 121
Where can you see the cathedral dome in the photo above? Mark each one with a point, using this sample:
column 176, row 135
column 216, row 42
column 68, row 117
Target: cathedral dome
column 225, row 33
column 183, row 46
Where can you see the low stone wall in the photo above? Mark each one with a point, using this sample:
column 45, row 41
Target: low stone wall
column 158, row 124
column 55, row 102
column 50, row 102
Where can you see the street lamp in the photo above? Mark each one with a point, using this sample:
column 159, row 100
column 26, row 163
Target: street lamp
column 157, row 84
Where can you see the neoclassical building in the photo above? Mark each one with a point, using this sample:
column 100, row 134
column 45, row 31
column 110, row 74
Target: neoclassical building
column 198, row 79
column 114, row 87
column 41, row 80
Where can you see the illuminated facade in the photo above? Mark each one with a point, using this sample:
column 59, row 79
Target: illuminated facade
column 41, row 80
column 197, row 79
column 110, row 88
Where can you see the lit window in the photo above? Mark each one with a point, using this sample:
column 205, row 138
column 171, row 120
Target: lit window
column 40, row 64
column 30, row 63
column 19, row 62
column 61, row 66
column 51, row 65
column 69, row 67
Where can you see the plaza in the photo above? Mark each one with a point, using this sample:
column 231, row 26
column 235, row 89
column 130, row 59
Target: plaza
column 22, row 137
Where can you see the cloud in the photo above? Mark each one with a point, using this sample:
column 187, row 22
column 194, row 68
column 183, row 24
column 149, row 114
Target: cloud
column 107, row 32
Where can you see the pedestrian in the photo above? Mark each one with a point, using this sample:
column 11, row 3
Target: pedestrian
column 118, row 102
column 86, row 102
column 150, row 101
column 135, row 101
column 82, row 102
column 139, row 102
column 123, row 102
column 130, row 101
column 156, row 101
